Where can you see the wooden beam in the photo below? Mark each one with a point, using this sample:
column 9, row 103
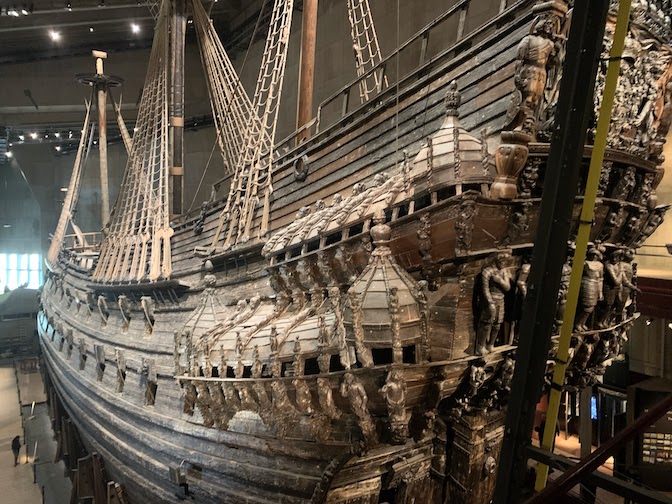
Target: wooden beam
column 304, row 111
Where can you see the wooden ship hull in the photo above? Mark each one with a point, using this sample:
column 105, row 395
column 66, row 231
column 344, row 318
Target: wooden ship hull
column 337, row 358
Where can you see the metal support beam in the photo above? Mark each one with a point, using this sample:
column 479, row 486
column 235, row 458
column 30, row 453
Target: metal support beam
column 575, row 105
column 557, row 490
column 624, row 488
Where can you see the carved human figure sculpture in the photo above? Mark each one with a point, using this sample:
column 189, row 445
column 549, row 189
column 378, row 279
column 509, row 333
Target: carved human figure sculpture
column 628, row 284
column 536, row 53
column 612, row 287
column 495, row 283
column 591, row 288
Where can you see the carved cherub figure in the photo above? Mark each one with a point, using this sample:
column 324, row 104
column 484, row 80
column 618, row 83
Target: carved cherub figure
column 495, row 283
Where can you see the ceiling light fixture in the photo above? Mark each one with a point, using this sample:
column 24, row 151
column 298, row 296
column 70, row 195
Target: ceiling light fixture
column 55, row 36
column 33, row 136
column 6, row 226
column 64, row 189
column 135, row 28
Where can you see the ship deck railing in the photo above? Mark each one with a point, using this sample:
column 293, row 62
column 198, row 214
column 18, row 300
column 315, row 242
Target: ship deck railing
column 339, row 106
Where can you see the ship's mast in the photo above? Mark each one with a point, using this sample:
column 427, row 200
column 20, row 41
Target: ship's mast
column 177, row 30
column 101, row 94
column 307, row 67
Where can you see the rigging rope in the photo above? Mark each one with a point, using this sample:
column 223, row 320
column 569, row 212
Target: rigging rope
column 366, row 48
column 245, row 128
column 71, row 197
column 137, row 246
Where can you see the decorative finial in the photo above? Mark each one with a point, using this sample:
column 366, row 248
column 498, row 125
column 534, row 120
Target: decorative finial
column 453, row 99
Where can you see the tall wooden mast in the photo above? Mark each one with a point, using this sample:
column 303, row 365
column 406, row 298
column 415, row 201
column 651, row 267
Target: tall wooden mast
column 177, row 30
column 307, row 67
column 101, row 93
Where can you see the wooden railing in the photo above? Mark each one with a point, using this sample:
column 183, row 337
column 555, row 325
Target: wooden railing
column 92, row 242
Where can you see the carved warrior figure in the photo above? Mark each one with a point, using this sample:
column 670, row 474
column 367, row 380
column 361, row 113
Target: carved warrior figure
column 591, row 288
column 537, row 55
column 495, row 283
column 394, row 392
column 353, row 390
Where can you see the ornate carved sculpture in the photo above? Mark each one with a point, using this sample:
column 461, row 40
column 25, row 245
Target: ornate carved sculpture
column 304, row 399
column 204, row 404
column 394, row 392
column 613, row 286
column 591, row 288
column 611, row 222
column 363, row 352
column 626, row 183
column 430, row 270
column 519, row 223
column 200, row 222
column 605, row 176
column 495, row 282
column 529, row 178
column 628, row 281
column 190, row 397
column 149, row 375
column 353, row 390
column 537, row 56
column 326, row 398
column 339, row 327
column 655, row 220
column 464, row 226
column 393, row 306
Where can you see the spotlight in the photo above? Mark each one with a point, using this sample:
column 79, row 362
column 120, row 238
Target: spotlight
column 13, row 12
column 22, row 137
column 648, row 321
column 55, row 36
column 10, row 144
column 668, row 325
column 135, row 28
column 69, row 134
column 68, row 6
column 6, row 226
column 9, row 154
column 58, row 148
column 24, row 10
column 64, row 189
column 57, row 134
column 90, row 29
column 33, row 136
column 95, row 142
column 135, row 130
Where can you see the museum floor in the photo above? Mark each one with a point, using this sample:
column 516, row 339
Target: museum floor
column 17, row 482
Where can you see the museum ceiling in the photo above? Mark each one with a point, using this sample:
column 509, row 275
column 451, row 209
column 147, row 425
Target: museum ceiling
column 44, row 29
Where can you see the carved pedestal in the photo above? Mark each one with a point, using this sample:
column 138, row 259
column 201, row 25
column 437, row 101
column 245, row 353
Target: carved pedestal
column 510, row 159
column 472, row 457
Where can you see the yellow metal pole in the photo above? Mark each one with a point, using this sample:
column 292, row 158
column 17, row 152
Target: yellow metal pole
column 583, row 235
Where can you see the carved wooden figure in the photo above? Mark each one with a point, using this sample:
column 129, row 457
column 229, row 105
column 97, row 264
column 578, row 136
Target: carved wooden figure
column 495, row 282
column 591, row 288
